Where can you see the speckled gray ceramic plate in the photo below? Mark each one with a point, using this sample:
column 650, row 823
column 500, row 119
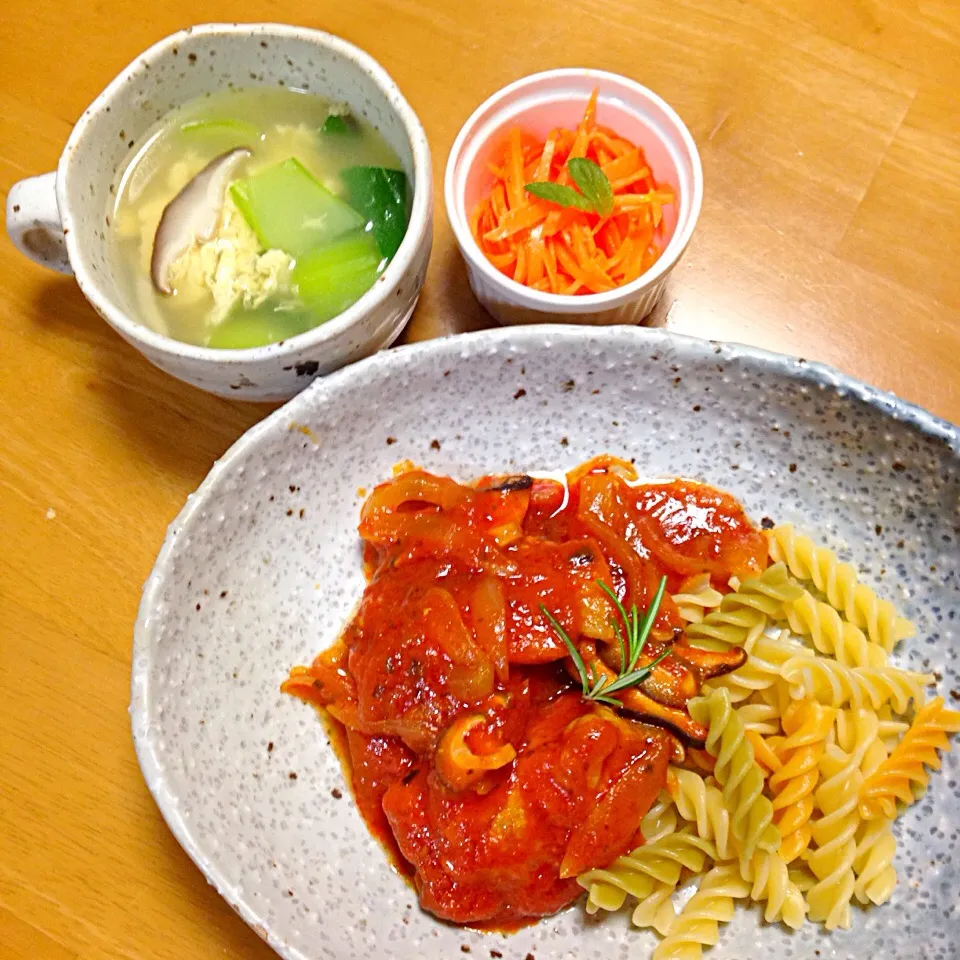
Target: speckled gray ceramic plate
column 262, row 566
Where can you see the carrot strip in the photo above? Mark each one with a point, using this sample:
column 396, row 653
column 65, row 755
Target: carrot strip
column 502, row 260
column 550, row 264
column 546, row 157
column 498, row 201
column 516, row 220
column 520, row 273
column 615, row 145
column 585, row 129
column 624, row 165
column 535, row 265
column 516, row 195
column 640, row 176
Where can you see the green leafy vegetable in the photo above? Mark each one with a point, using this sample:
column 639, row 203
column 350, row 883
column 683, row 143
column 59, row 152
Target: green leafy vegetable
column 593, row 184
column 338, row 124
column 290, row 210
column 331, row 278
column 632, row 637
column 255, row 328
column 380, row 194
column 595, row 196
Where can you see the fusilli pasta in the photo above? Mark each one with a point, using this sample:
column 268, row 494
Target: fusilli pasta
column 834, row 833
column 737, row 773
column 659, row 820
column 696, row 598
column 701, row 803
column 873, row 862
column 766, row 655
column 747, row 611
column 905, row 768
column 806, row 724
column 832, row 683
column 762, row 718
column 770, row 881
column 830, row 634
column 698, row 924
column 656, row 909
column 858, row 603
column 807, row 757
column 637, row 873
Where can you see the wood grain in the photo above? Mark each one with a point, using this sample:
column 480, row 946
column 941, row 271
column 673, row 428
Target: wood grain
column 831, row 151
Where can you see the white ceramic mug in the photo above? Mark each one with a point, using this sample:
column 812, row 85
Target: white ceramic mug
column 61, row 219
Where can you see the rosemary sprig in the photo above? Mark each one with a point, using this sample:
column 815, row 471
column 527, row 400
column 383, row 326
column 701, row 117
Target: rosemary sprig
column 632, row 637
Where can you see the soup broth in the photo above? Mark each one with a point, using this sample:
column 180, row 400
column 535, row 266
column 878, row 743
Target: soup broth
column 249, row 216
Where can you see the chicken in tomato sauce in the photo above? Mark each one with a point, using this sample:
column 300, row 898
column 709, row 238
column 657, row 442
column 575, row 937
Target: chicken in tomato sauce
column 498, row 739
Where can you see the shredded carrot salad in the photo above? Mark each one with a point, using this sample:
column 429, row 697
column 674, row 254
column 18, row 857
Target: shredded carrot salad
column 564, row 249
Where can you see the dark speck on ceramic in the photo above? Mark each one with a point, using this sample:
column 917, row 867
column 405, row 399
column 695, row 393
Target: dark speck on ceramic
column 259, row 834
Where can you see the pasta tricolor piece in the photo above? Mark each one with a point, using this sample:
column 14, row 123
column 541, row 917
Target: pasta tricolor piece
column 832, row 683
column 737, row 773
column 747, row 611
column 834, row 833
column 830, row 634
column 698, row 924
column 855, row 600
column 638, row 873
column 807, row 724
column 906, row 766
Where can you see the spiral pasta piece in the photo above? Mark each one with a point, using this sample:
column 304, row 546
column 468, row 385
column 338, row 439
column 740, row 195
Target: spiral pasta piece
column 765, row 753
column 747, row 611
column 806, row 724
column 777, row 696
column 830, row 634
column 701, row 803
column 834, row 833
column 873, row 862
column 770, row 881
column 698, row 924
column 737, row 773
column 858, row 603
column 659, row 820
column 656, row 909
column 696, row 597
column 638, row 873
column 905, row 769
column 761, row 718
column 766, row 655
column 833, row 683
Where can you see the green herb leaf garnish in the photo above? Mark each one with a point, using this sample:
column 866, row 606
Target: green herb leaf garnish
column 595, row 196
column 632, row 634
column 593, row 184
column 560, row 195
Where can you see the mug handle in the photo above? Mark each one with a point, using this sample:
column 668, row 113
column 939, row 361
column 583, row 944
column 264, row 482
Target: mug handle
column 33, row 222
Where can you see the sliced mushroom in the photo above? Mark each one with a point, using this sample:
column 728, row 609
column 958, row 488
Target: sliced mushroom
column 634, row 701
column 192, row 215
column 711, row 663
column 679, row 676
column 510, row 484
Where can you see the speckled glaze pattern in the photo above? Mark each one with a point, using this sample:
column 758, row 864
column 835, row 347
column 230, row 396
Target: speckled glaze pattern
column 262, row 567
column 209, row 58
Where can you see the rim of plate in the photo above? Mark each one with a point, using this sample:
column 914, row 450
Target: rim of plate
column 458, row 347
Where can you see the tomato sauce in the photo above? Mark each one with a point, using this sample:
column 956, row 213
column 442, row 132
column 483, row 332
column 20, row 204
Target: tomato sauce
column 472, row 752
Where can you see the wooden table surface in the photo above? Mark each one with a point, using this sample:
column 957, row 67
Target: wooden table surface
column 831, row 145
